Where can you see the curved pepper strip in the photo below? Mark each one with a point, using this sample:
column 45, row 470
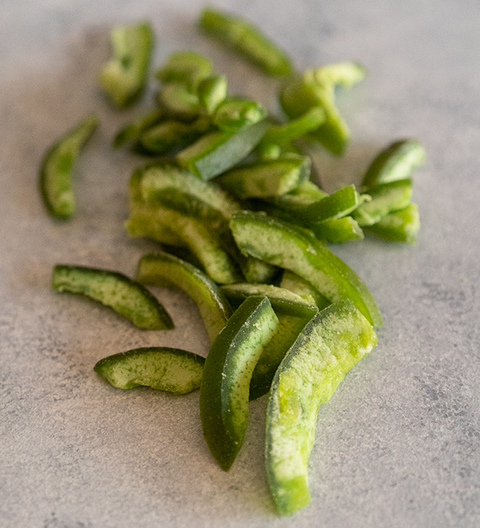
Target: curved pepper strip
column 331, row 343
column 224, row 392
column 56, row 171
column 162, row 368
column 123, row 78
column 291, row 247
column 246, row 39
column 163, row 269
column 124, row 295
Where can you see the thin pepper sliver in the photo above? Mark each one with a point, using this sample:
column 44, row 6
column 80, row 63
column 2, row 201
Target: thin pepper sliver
column 124, row 295
column 56, row 171
column 331, row 343
column 291, row 247
column 123, row 78
column 246, row 39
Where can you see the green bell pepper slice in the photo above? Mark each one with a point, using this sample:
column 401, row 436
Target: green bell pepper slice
column 162, row 368
column 56, row 172
column 247, row 40
column 224, row 392
column 164, row 269
column 291, row 247
column 266, row 178
column 395, row 162
column 124, row 295
column 217, row 152
column 185, row 67
column 316, row 88
column 400, row 226
column 331, row 343
column 123, row 78
column 385, row 198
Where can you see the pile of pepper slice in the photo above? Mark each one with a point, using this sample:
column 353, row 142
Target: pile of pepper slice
column 243, row 230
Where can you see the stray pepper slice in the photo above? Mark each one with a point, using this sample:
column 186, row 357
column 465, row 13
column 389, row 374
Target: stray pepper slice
column 331, row 343
column 162, row 368
column 246, row 39
column 224, row 392
column 57, row 169
column 126, row 296
column 294, row 248
column 123, row 78
column 400, row 226
column 395, row 162
column 164, row 269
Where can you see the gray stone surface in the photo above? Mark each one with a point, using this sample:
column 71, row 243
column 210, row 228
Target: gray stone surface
column 398, row 444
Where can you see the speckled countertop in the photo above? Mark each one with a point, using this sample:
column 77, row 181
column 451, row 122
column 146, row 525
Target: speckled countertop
column 398, row 444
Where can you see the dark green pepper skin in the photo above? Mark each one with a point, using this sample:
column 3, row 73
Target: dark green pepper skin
column 224, row 393
column 126, row 296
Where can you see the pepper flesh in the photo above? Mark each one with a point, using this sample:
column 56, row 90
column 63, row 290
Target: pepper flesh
column 291, row 247
column 123, row 77
column 246, row 39
column 126, row 296
column 331, row 343
column 162, row 368
column 57, row 169
column 224, row 393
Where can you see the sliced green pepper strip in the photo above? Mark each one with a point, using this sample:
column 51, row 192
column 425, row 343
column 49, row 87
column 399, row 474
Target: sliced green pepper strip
column 163, row 269
column 123, row 78
column 179, row 101
column 162, row 368
column 295, row 128
column 132, row 131
column 386, row 198
column 185, row 67
column 290, row 247
column 334, row 206
column 316, row 88
column 330, row 344
column 246, row 39
column 266, row 178
column 296, row 284
column 338, row 230
column 217, row 152
column 235, row 113
column 400, row 226
column 395, row 162
column 57, row 169
column 306, row 193
column 126, row 296
column 145, row 218
column 273, row 352
column 282, row 300
column 211, row 92
column 171, row 135
column 154, row 180
column 224, row 392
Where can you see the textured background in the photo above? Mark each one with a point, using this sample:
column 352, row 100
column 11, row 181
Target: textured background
column 398, row 444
